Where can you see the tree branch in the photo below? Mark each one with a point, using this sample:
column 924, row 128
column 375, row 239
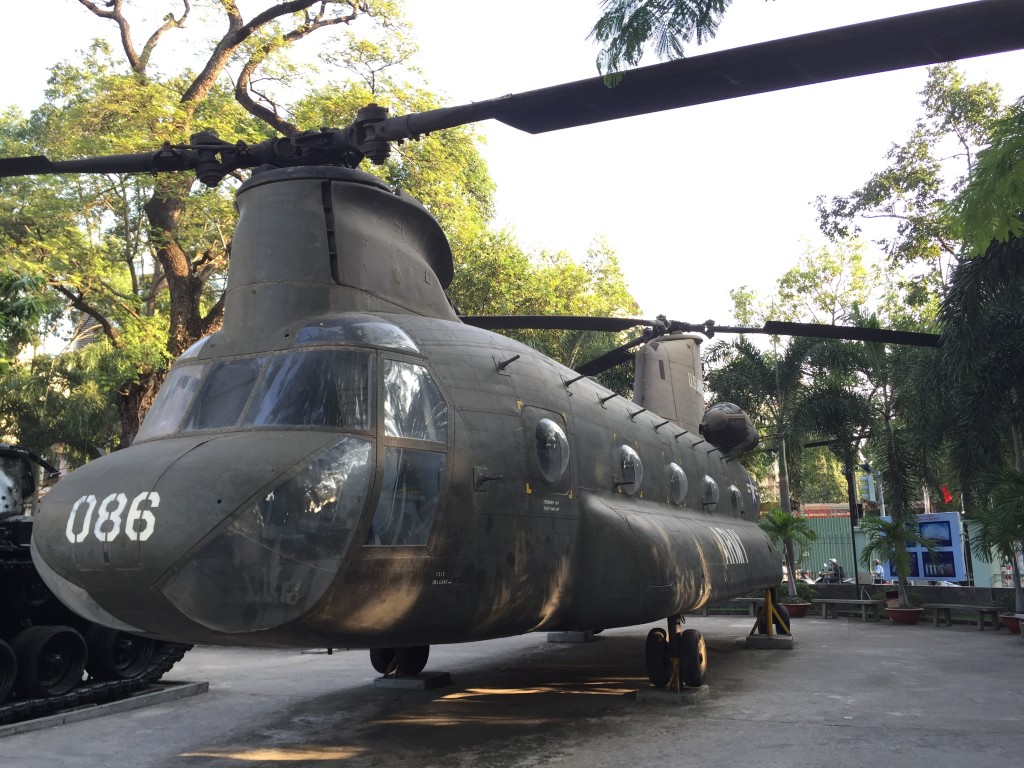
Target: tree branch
column 79, row 303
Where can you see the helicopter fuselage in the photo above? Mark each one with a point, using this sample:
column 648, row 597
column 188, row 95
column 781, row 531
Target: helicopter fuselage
column 454, row 498
column 347, row 464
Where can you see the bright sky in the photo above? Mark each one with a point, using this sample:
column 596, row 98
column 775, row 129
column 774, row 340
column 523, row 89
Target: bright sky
column 695, row 201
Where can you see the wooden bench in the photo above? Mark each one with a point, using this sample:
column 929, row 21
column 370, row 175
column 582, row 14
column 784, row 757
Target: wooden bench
column 943, row 610
column 836, row 604
column 751, row 603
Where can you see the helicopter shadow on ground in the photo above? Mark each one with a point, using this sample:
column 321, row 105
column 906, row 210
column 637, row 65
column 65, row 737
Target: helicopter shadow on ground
column 496, row 711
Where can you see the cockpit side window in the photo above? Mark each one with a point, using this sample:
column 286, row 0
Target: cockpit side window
column 322, row 388
column 414, row 410
column 413, row 406
column 408, row 497
column 224, row 392
column 171, row 401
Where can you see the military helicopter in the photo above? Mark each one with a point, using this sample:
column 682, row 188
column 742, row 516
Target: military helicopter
column 350, row 463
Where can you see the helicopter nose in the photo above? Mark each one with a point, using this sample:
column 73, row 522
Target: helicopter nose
column 162, row 534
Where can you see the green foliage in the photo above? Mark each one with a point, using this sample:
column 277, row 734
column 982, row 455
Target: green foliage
column 915, row 191
column 626, row 27
column 887, row 539
column 805, row 592
column 992, row 202
column 790, row 530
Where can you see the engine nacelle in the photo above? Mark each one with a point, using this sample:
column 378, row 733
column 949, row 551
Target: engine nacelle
column 728, row 427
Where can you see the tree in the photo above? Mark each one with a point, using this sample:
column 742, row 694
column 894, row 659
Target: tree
column 627, row 26
column 1001, row 524
column 789, row 529
column 887, row 539
column 914, row 195
column 145, row 257
column 769, row 386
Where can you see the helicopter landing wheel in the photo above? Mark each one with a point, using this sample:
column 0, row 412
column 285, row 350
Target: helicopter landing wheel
column 659, row 667
column 693, row 658
column 382, row 659
column 411, row 661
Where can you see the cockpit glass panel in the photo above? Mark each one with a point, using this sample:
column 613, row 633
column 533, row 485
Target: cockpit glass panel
column 413, row 406
column 172, row 401
column 322, row 388
column 357, row 329
column 192, row 351
column 408, row 497
column 279, row 555
column 224, row 392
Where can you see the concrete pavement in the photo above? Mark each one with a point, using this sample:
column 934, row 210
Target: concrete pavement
column 849, row 694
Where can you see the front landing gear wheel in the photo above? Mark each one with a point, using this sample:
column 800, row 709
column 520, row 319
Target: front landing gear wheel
column 411, row 661
column 659, row 668
column 382, row 659
column 693, row 658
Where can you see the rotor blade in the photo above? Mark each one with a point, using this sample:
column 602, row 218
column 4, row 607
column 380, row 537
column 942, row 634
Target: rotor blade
column 554, row 322
column 25, row 166
column 848, row 333
column 144, row 162
column 929, row 37
column 610, row 359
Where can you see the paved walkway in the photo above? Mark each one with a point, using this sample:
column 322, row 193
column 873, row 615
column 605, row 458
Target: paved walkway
column 850, row 694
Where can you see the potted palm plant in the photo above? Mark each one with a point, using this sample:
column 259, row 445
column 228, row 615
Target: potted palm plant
column 790, row 531
column 1001, row 529
column 887, row 539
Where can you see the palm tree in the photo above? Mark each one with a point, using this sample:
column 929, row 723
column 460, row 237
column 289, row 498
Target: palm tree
column 768, row 386
column 1001, row 524
column 787, row 528
column 886, row 539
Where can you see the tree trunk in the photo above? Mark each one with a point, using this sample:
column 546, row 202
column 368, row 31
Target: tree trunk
column 787, row 545
column 134, row 399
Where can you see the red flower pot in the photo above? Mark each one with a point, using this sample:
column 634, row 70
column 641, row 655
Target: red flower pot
column 797, row 610
column 904, row 615
column 1010, row 621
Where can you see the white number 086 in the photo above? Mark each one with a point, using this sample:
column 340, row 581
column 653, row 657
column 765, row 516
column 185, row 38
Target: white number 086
column 138, row 523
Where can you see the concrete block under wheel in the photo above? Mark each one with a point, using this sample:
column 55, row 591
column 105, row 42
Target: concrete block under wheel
column 665, row 696
column 420, row 682
column 570, row 637
column 770, row 643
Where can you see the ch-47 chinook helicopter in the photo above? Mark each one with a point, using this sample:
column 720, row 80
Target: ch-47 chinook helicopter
column 350, row 463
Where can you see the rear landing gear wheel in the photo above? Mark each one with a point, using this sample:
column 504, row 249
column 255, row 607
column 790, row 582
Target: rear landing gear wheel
column 659, row 668
column 382, row 659
column 411, row 661
column 693, row 658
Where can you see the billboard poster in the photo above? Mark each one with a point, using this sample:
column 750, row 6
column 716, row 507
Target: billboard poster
column 946, row 563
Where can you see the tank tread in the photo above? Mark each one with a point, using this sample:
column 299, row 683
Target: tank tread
column 91, row 693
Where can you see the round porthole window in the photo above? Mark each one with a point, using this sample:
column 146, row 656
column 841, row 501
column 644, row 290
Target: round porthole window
column 552, row 450
column 711, row 493
column 677, row 484
column 736, row 499
column 632, row 470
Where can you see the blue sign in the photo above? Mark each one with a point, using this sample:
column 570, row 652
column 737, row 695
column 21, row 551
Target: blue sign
column 946, row 563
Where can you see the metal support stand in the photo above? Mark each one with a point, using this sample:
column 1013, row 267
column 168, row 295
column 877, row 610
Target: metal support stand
column 771, row 615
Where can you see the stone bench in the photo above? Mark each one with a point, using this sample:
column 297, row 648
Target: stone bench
column 943, row 611
column 836, row 603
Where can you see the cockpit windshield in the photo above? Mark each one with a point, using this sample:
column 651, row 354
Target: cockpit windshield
column 330, row 388
column 322, row 388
